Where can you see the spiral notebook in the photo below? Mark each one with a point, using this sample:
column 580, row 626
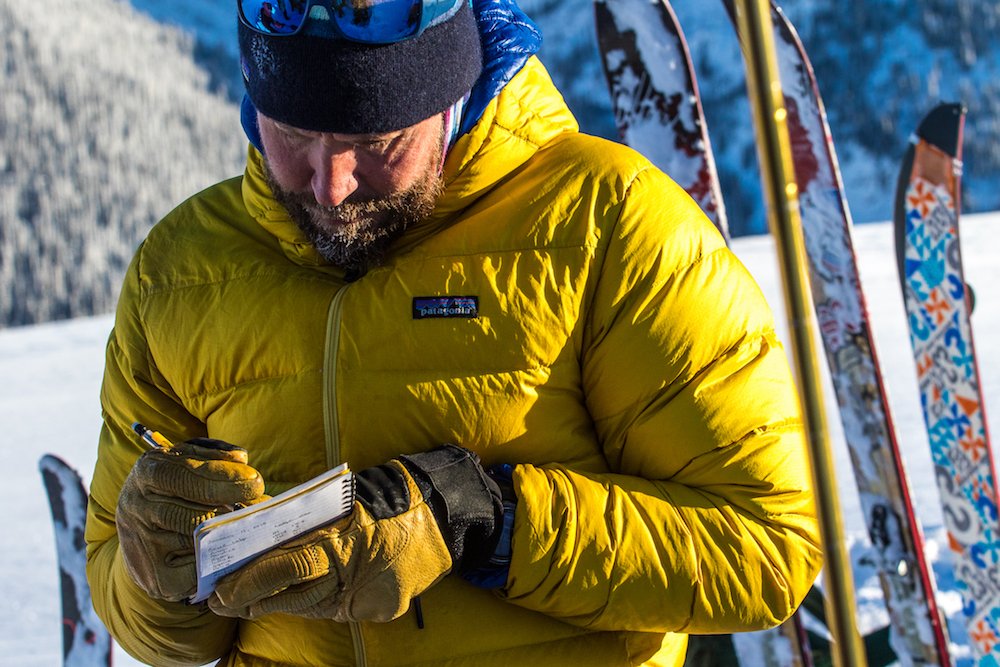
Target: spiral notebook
column 229, row 541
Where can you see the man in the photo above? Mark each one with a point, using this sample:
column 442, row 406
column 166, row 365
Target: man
column 576, row 432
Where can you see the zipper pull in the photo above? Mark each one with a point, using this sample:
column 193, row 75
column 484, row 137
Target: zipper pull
column 418, row 610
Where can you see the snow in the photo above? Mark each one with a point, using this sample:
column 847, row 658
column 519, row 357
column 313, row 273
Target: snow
column 50, row 404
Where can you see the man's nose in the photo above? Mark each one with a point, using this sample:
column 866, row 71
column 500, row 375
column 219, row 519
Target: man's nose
column 335, row 167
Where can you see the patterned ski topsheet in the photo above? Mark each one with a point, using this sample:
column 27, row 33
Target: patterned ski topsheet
column 632, row 34
column 919, row 632
column 941, row 334
column 86, row 642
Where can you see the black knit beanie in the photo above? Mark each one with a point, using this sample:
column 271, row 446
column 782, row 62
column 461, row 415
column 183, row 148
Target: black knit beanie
column 332, row 85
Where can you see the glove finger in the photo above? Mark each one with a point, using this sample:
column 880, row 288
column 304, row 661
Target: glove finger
column 163, row 572
column 272, row 573
column 380, row 599
column 208, row 482
column 179, row 582
column 212, row 449
column 219, row 609
column 157, row 544
column 176, row 516
column 315, row 599
column 171, row 514
column 140, row 514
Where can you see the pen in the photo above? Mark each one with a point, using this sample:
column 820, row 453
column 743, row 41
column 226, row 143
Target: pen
column 152, row 437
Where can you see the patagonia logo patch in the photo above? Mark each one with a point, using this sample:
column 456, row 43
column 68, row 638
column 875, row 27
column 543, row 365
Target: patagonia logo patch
column 425, row 307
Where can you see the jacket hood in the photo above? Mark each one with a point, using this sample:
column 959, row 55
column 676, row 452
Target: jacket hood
column 527, row 114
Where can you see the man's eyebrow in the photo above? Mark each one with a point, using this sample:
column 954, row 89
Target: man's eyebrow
column 350, row 138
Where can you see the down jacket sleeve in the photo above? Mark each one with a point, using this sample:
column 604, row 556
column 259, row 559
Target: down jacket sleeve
column 706, row 523
column 156, row 632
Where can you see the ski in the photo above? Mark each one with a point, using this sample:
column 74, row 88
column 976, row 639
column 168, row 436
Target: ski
column 937, row 307
column 657, row 108
column 86, row 642
column 919, row 633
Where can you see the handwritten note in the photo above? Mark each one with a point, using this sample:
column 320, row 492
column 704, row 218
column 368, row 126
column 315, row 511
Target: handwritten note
column 228, row 542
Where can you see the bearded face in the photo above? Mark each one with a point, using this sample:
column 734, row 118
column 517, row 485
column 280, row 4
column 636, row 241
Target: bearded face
column 356, row 234
column 353, row 195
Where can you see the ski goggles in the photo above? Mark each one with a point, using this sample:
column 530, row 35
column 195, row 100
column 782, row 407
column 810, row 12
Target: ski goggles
column 363, row 21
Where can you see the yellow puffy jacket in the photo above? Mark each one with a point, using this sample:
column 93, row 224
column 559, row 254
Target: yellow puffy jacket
column 615, row 350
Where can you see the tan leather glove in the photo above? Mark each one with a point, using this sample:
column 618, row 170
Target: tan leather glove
column 415, row 518
column 166, row 495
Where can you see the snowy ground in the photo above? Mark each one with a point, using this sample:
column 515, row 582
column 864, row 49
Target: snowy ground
column 49, row 403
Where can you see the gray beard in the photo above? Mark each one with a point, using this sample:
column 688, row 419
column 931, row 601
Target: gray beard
column 372, row 225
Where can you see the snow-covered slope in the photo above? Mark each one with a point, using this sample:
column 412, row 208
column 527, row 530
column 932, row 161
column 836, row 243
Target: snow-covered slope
column 107, row 121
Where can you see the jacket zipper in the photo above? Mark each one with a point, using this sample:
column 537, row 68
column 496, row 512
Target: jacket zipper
column 331, row 424
column 330, row 417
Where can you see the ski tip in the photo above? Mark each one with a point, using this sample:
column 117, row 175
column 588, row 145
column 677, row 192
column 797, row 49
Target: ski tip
column 52, row 463
column 49, row 461
column 941, row 127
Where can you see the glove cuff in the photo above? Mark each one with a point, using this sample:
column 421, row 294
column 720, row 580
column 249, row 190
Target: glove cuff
column 466, row 503
column 493, row 573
